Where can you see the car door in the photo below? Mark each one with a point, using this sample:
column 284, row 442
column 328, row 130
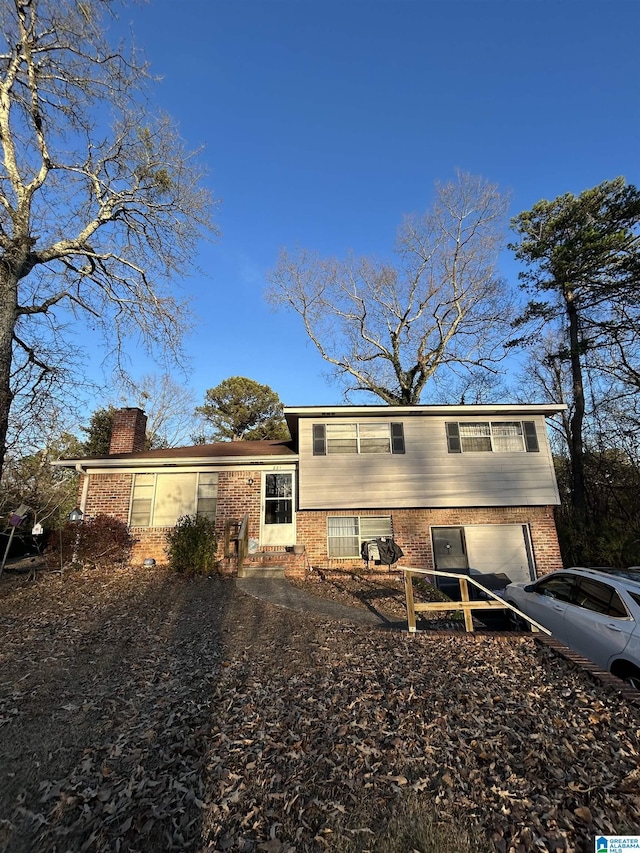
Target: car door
column 597, row 624
column 548, row 600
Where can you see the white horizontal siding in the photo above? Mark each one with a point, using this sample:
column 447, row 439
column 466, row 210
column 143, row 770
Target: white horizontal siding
column 426, row 475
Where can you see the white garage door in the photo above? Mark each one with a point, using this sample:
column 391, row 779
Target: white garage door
column 500, row 548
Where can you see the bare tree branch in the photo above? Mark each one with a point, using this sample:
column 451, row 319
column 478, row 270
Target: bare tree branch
column 101, row 206
column 387, row 328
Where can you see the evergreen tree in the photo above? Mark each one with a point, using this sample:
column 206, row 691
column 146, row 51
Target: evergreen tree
column 582, row 263
column 242, row 409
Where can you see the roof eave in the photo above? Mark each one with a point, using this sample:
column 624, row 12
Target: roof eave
column 174, row 462
column 546, row 409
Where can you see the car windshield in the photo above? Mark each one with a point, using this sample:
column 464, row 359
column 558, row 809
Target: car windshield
column 632, row 573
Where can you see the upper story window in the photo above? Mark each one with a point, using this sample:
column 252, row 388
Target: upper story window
column 159, row 500
column 492, row 436
column 340, row 438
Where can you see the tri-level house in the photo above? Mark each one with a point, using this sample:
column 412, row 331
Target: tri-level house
column 453, row 486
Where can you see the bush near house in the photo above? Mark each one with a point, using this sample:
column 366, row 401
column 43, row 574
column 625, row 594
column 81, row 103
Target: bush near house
column 96, row 542
column 191, row 545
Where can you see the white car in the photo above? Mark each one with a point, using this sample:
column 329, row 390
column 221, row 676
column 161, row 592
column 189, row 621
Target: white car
column 594, row 613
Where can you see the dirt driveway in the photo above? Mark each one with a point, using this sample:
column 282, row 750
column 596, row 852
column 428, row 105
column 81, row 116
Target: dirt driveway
column 141, row 711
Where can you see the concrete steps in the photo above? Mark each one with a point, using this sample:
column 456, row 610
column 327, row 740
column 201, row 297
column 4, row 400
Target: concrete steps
column 273, row 564
column 258, row 571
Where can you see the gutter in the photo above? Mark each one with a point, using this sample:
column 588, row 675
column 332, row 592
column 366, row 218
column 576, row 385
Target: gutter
column 547, row 409
column 83, row 465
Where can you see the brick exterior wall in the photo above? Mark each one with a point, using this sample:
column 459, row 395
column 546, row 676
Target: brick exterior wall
column 236, row 498
column 150, row 542
column 411, row 530
column 128, row 433
column 110, row 493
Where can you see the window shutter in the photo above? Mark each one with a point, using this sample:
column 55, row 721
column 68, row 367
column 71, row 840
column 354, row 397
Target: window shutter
column 397, row 438
column 530, row 437
column 453, row 438
column 319, row 440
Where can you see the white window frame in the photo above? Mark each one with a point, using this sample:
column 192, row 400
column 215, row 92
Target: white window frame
column 493, row 438
column 202, row 491
column 359, row 438
column 361, row 535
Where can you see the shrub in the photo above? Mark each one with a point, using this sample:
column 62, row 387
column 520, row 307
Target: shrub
column 191, row 545
column 95, row 542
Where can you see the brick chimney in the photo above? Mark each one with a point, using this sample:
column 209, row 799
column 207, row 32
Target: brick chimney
column 129, row 431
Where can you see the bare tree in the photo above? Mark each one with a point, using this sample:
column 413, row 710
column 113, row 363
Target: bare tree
column 611, row 456
column 30, row 478
column 101, row 207
column 386, row 328
column 544, row 376
column 617, row 354
column 169, row 407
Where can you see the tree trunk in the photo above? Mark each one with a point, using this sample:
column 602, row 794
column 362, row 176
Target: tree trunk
column 8, row 305
column 576, row 446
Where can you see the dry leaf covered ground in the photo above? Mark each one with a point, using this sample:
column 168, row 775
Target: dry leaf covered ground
column 380, row 592
column 141, row 711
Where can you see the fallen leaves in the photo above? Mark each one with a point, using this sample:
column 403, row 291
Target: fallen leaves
column 163, row 714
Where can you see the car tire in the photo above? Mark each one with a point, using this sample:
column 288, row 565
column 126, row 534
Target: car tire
column 516, row 622
column 628, row 673
column 633, row 679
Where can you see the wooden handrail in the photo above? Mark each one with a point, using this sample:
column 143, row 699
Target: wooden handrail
column 243, row 542
column 466, row 605
column 230, row 536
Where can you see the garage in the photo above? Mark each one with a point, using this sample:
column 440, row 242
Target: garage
column 485, row 547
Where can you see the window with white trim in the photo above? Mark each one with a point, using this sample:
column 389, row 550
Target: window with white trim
column 159, row 500
column 346, row 533
column 492, row 436
column 340, row 438
column 278, row 499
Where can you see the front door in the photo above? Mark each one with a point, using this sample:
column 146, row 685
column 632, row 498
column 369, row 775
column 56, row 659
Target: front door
column 278, row 517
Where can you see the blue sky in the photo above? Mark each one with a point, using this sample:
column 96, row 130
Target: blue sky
column 324, row 122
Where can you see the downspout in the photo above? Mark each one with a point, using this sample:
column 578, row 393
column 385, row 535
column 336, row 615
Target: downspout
column 85, row 486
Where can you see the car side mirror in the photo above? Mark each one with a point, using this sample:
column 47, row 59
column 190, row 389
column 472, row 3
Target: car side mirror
column 530, row 587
